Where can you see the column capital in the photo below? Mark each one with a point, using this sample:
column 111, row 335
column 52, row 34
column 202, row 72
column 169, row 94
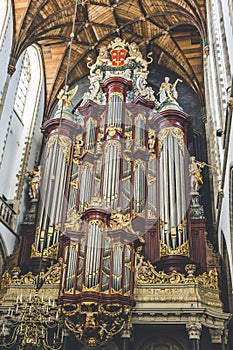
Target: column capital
column 216, row 335
column 194, row 330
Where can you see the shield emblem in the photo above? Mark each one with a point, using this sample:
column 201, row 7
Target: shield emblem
column 118, row 57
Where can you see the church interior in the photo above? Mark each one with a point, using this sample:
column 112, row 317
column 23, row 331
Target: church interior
column 116, row 175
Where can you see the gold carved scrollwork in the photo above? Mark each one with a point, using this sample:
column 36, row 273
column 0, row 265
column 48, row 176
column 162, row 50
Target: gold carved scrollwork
column 176, row 133
column 114, row 143
column 183, row 249
column 137, row 163
column 145, row 273
column 77, row 149
column 63, row 141
column 95, row 222
column 52, row 276
column 151, row 179
column 116, row 93
column 50, row 252
column 34, row 252
column 119, row 220
column 73, row 221
column 94, row 324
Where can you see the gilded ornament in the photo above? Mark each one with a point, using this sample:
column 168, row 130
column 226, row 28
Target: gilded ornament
column 145, row 273
column 6, row 278
column 151, row 141
column 230, row 103
column 195, row 168
column 34, row 252
column 116, row 93
column 65, row 97
column 50, row 252
column 183, row 249
column 96, row 222
column 93, row 323
column 177, row 133
column 34, row 176
column 113, row 143
column 73, row 221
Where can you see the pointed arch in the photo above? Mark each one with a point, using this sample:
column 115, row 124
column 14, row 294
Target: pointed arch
column 4, row 18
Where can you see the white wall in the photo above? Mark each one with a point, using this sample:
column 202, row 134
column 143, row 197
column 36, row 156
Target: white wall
column 218, row 77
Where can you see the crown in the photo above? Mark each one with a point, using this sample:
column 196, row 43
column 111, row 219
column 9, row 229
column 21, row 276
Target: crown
column 118, row 42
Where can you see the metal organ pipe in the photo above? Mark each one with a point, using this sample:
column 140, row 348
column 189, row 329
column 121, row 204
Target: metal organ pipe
column 93, row 254
column 172, row 189
column 167, row 226
column 111, row 174
column 115, row 109
column 183, row 196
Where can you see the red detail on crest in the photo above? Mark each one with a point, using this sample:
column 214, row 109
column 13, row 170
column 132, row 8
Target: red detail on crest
column 118, row 57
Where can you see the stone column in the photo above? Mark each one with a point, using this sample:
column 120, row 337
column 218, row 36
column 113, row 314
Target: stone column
column 126, row 334
column 217, row 338
column 194, row 332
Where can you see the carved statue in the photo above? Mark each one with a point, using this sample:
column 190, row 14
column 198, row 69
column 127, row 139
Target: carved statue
column 195, row 174
column 141, row 87
column 34, row 176
column 78, row 146
column 151, row 141
column 94, row 92
column 136, row 55
column 119, row 220
column 101, row 60
column 167, row 90
column 74, row 222
column 65, row 96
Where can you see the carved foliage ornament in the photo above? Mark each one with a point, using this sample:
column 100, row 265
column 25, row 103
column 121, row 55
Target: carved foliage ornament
column 63, row 141
column 52, row 276
column 94, row 324
column 50, row 252
column 181, row 250
column 176, row 133
column 145, row 273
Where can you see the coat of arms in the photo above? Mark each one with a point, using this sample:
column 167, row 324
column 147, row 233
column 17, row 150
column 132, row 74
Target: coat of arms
column 118, row 57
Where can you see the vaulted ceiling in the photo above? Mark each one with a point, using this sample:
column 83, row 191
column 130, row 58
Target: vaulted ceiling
column 174, row 30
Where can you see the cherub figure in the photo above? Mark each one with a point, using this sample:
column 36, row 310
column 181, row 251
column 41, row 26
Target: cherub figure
column 65, row 96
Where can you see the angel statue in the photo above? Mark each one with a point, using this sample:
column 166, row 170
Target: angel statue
column 65, row 96
column 167, row 90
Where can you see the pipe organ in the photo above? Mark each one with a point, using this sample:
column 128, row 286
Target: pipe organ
column 115, row 182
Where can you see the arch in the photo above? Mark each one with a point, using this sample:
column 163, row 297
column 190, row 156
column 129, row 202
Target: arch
column 163, row 342
column 4, row 17
column 22, row 126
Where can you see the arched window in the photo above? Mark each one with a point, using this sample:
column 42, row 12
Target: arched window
column 29, row 97
column 6, row 35
column 23, row 87
column 4, row 16
column 21, row 139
